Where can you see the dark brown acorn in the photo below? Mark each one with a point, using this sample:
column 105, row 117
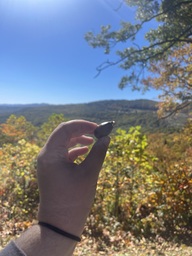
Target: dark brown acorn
column 104, row 129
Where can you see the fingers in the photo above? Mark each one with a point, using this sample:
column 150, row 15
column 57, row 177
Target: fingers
column 94, row 161
column 84, row 140
column 63, row 134
column 77, row 128
column 76, row 152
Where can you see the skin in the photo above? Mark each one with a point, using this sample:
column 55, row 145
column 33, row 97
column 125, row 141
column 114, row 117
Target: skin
column 67, row 189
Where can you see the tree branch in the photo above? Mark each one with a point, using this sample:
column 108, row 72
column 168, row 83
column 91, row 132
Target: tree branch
column 172, row 42
column 177, row 108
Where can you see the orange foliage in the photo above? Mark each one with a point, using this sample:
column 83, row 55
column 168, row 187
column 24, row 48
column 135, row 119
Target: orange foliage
column 174, row 78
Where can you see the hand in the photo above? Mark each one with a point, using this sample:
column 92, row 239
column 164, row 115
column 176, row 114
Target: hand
column 67, row 190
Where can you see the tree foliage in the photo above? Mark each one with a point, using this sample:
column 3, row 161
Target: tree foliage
column 125, row 179
column 15, row 129
column 144, row 189
column 18, row 183
column 174, row 78
column 172, row 22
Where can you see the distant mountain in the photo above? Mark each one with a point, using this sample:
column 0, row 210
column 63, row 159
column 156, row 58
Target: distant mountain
column 10, row 108
column 125, row 113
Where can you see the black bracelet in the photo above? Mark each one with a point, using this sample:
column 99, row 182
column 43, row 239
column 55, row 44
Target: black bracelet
column 59, row 231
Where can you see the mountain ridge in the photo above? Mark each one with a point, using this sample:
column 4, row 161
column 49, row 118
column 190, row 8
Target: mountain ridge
column 126, row 113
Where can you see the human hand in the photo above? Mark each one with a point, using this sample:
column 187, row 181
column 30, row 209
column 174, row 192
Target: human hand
column 67, row 189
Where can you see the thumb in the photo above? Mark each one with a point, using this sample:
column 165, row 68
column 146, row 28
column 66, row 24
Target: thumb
column 94, row 161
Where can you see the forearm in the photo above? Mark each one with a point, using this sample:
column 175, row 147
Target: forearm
column 40, row 241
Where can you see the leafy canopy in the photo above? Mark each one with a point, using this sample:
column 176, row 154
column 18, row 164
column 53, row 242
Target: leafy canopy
column 173, row 77
column 15, row 129
column 172, row 30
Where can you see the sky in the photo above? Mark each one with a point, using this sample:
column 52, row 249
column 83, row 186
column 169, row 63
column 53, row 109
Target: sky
column 44, row 57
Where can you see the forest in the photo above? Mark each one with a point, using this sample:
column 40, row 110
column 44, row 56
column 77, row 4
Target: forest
column 126, row 113
column 144, row 189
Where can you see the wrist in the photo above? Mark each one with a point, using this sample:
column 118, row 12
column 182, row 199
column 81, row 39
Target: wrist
column 39, row 240
column 71, row 221
column 60, row 231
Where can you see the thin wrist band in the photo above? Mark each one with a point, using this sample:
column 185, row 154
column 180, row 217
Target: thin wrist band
column 59, row 231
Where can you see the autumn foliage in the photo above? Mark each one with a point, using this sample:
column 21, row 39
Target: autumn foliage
column 173, row 77
column 144, row 189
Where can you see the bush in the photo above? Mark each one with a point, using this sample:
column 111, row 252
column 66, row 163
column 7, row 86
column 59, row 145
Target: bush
column 18, row 182
column 144, row 188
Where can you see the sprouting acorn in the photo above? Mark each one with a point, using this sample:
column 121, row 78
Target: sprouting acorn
column 104, row 129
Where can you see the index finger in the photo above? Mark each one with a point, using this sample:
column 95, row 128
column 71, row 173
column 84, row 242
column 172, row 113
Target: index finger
column 71, row 129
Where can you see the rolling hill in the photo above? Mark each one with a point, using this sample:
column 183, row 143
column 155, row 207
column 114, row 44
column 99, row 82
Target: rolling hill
column 125, row 113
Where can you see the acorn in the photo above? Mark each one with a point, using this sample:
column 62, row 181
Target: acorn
column 104, row 129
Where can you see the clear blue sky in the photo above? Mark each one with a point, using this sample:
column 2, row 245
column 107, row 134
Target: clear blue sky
column 44, row 57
